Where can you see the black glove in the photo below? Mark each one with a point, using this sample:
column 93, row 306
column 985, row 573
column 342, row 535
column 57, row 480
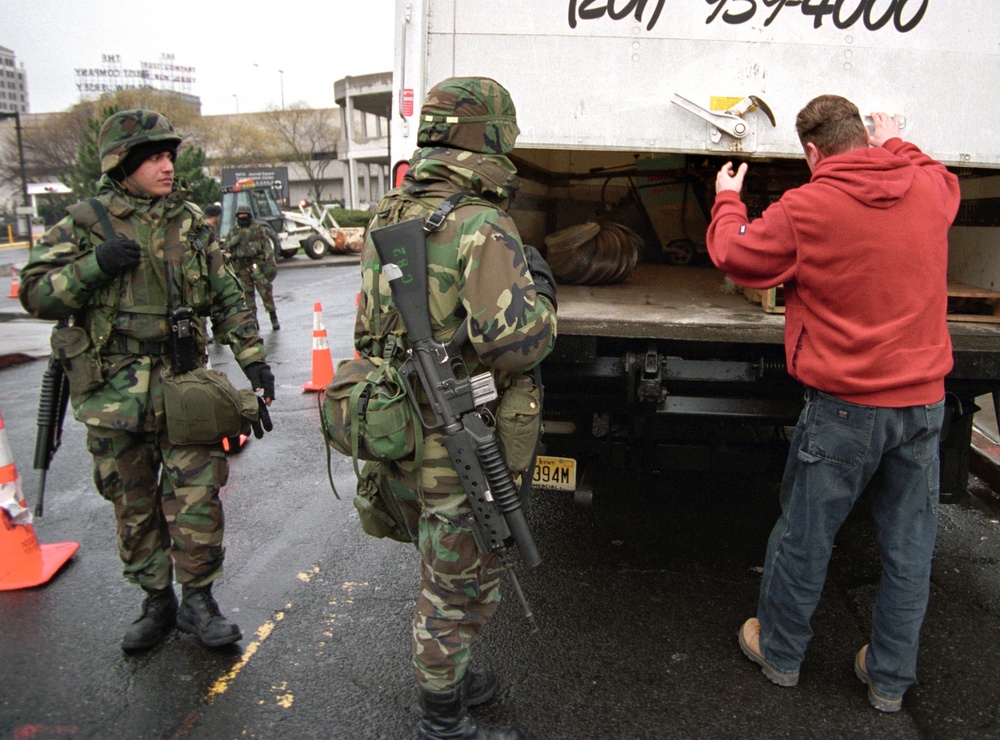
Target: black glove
column 263, row 423
column 117, row 255
column 260, row 376
column 541, row 273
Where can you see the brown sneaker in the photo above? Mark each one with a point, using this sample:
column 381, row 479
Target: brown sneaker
column 874, row 698
column 749, row 636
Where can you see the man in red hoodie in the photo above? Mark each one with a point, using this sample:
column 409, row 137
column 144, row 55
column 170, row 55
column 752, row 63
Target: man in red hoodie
column 862, row 252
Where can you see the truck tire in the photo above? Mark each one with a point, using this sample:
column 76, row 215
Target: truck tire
column 316, row 247
column 279, row 252
column 681, row 252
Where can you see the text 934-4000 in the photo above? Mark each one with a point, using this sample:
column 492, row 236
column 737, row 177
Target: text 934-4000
column 905, row 15
column 874, row 14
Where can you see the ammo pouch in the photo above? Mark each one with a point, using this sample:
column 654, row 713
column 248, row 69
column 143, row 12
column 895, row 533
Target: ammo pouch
column 71, row 345
column 519, row 421
column 202, row 407
column 366, row 415
column 269, row 270
column 378, row 509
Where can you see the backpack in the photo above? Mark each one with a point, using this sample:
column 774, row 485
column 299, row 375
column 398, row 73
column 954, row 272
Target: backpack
column 366, row 414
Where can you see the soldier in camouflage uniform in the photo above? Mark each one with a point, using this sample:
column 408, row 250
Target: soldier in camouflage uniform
column 116, row 288
column 213, row 212
column 481, row 273
column 252, row 256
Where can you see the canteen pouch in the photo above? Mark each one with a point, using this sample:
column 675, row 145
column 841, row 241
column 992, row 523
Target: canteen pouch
column 71, row 345
column 366, row 414
column 519, row 421
column 202, row 407
column 269, row 270
column 378, row 509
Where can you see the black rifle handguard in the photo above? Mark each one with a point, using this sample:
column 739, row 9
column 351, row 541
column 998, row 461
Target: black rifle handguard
column 51, row 413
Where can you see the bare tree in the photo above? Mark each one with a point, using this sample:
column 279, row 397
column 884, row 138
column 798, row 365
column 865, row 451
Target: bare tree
column 307, row 137
column 235, row 140
column 51, row 142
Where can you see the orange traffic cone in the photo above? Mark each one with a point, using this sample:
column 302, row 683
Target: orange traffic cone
column 23, row 562
column 240, row 441
column 15, row 282
column 322, row 371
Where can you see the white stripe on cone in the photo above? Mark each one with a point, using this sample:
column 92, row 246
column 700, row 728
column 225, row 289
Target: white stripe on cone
column 11, row 495
column 322, row 362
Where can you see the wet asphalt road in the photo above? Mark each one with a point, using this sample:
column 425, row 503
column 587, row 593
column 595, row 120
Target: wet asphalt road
column 638, row 599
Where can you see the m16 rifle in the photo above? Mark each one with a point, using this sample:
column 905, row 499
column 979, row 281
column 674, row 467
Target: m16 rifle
column 455, row 400
column 51, row 413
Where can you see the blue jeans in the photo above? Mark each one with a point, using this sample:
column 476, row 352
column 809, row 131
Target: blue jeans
column 836, row 449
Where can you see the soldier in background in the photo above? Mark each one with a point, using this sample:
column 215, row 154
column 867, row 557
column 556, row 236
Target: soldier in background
column 213, row 212
column 252, row 254
column 116, row 266
column 484, row 275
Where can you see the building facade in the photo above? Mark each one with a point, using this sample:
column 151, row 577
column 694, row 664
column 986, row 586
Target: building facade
column 365, row 107
column 13, row 84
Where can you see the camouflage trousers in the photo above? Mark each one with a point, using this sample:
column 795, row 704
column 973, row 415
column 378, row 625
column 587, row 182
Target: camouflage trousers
column 459, row 586
column 254, row 280
column 167, row 506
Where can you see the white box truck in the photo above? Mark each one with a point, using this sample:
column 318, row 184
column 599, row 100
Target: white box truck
column 627, row 109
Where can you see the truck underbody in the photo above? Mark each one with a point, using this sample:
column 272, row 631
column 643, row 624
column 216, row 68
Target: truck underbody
column 677, row 370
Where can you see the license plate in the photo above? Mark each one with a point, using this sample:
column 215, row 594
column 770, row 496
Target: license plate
column 555, row 473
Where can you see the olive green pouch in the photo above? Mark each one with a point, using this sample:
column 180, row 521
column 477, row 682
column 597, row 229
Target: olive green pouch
column 366, row 414
column 378, row 509
column 72, row 347
column 519, row 422
column 202, row 407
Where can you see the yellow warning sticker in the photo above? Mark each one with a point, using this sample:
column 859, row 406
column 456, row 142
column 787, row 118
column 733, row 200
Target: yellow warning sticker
column 718, row 102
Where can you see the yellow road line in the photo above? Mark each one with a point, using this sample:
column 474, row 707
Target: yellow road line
column 263, row 632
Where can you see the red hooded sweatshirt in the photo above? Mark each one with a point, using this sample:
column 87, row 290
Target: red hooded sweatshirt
column 862, row 251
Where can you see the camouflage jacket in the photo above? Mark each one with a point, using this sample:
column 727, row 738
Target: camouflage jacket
column 62, row 280
column 475, row 263
column 248, row 245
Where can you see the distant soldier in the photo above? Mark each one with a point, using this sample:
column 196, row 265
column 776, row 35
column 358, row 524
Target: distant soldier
column 252, row 254
column 123, row 267
column 213, row 212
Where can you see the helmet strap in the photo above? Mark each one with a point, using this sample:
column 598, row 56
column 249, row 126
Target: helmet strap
column 136, row 188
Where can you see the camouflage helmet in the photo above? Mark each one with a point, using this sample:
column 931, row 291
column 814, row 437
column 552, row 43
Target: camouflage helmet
column 127, row 129
column 471, row 113
column 243, row 208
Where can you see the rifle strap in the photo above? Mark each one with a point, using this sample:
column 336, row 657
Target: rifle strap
column 329, row 464
column 102, row 217
column 436, row 219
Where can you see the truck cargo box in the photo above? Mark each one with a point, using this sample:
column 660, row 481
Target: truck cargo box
column 627, row 108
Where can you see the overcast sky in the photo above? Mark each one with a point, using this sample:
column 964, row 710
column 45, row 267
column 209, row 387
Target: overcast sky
column 236, row 49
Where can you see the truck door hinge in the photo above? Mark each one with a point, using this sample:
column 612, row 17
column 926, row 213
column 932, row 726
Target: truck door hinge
column 731, row 122
column 650, row 385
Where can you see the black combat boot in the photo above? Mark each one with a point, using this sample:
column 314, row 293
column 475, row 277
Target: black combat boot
column 199, row 615
column 446, row 717
column 479, row 686
column 274, row 320
column 159, row 615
